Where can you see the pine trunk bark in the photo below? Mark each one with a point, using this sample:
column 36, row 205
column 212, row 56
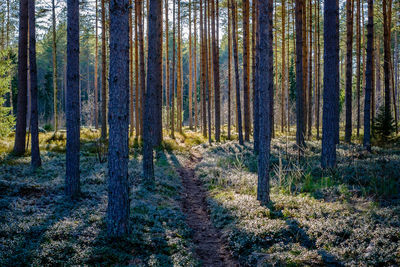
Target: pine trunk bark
column 20, row 129
column 103, row 72
column 369, row 76
column 331, row 84
column 246, row 70
column 55, row 74
column 349, row 70
column 72, row 187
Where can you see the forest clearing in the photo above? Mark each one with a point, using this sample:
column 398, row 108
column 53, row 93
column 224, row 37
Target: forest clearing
column 199, row 133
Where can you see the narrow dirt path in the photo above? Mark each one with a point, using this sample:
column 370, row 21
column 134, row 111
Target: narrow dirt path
column 210, row 248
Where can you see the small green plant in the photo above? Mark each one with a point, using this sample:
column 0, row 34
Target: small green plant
column 383, row 126
column 48, row 127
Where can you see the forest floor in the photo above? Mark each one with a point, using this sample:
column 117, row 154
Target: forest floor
column 203, row 209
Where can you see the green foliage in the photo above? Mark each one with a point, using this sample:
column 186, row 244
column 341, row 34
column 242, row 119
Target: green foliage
column 384, row 126
column 7, row 120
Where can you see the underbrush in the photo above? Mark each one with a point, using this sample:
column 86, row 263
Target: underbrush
column 347, row 216
column 40, row 227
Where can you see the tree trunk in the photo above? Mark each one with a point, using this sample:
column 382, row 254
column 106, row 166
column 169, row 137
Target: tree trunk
column 72, row 187
column 236, row 62
column 190, row 69
column 349, row 70
column 387, row 46
column 256, row 95
column 246, row 70
column 131, row 61
column 283, row 79
column 331, row 83
column 154, row 86
column 179, row 72
column 209, row 71
column 54, row 52
column 137, row 82
column 369, row 76
column 203, row 67
column 167, row 78
column 299, row 76
column 20, row 129
column 118, row 151
column 217, row 96
column 35, row 153
column 196, row 112
column 317, row 123
column 141, row 64
column 358, row 44
column 96, row 71
column 310, row 60
column 173, row 75
column 103, row 72
column 265, row 84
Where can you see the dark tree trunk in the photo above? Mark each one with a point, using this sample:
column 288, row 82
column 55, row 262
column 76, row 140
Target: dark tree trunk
column 256, row 94
column 369, row 76
column 236, row 62
column 229, row 68
column 246, row 70
column 299, row 76
column 331, row 83
column 20, row 129
column 72, row 187
column 387, row 47
column 203, row 68
column 358, row 44
column 217, row 96
column 35, row 153
column 118, row 118
column 173, row 74
column 141, row 64
column 265, row 85
column 349, row 70
column 55, row 74
column 154, row 85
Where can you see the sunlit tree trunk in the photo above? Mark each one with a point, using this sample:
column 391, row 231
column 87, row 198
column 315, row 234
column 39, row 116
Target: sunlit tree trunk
column 167, row 78
column 215, row 49
column 173, row 80
column 196, row 111
column 255, row 37
column 131, row 61
column 310, row 70
column 203, row 67
column 96, row 69
column 179, row 72
column 236, row 62
column 229, row 68
column 141, row 63
column 283, row 79
column 358, row 47
column 190, row 69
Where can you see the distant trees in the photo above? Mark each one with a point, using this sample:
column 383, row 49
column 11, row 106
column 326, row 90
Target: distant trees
column 118, row 151
column 72, row 187
column 331, row 84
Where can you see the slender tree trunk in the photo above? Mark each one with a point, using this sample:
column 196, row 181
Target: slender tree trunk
column 131, row 61
column 387, row 46
column 196, row 111
column 96, row 71
column 256, row 95
column 179, row 72
column 236, row 62
column 142, row 63
column 378, row 82
column 310, row 60
column 229, row 68
column 20, row 129
column 217, row 95
column 283, row 79
column 209, row 71
column 137, row 82
column 203, row 66
column 54, row 52
column 319, row 73
column 265, row 84
column 173, row 75
column 72, row 187
column 299, row 75
column 358, row 44
column 246, row 70
column 103, row 72
column 167, row 78
column 349, row 70
column 35, row 153
column 190, row 69
column 331, row 83
column 118, row 151
column 369, row 76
